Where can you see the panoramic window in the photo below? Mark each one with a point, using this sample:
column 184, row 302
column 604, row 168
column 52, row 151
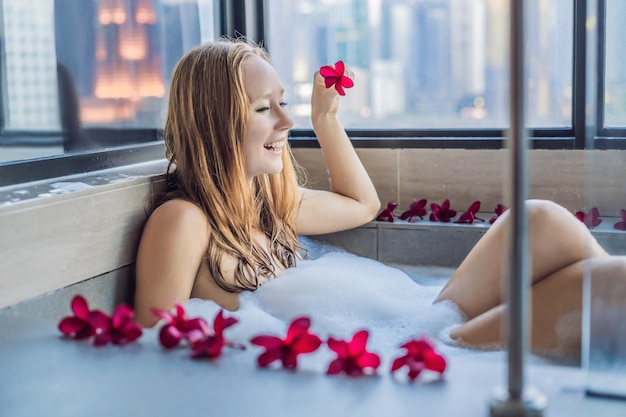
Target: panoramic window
column 74, row 72
column 615, row 67
column 424, row 65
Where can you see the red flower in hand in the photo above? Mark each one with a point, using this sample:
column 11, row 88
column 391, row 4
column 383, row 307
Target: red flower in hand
column 416, row 209
column 387, row 213
column 335, row 76
column 622, row 224
column 119, row 329
column 500, row 208
column 298, row 340
column 442, row 213
column 84, row 323
column 207, row 345
column 420, row 355
column 470, row 215
column 591, row 219
column 352, row 357
column 178, row 326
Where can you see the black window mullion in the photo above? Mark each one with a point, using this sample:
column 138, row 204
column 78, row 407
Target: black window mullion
column 579, row 87
column 600, row 67
column 232, row 18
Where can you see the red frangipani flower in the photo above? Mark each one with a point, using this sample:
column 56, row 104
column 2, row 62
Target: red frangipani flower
column 84, row 323
column 591, row 219
column 420, row 355
column 119, row 329
column 500, row 208
column 352, row 357
column 416, row 209
column 207, row 345
column 621, row 225
column 298, row 340
column 178, row 326
column 442, row 213
column 335, row 76
column 470, row 215
column 387, row 213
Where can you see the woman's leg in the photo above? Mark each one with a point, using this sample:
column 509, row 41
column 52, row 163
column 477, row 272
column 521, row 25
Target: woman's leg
column 556, row 239
column 556, row 305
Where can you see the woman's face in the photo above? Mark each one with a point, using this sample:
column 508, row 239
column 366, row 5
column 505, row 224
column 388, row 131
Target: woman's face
column 268, row 122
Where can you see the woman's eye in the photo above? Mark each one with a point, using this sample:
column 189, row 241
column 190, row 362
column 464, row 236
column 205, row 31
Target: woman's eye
column 263, row 109
column 283, row 104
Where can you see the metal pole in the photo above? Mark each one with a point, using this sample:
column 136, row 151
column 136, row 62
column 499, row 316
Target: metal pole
column 516, row 400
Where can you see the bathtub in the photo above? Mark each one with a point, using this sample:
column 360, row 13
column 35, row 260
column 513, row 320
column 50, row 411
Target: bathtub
column 81, row 240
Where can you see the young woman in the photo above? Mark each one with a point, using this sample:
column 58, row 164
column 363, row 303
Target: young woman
column 233, row 209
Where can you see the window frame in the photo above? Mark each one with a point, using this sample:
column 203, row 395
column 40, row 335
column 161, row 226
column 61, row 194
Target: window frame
column 248, row 17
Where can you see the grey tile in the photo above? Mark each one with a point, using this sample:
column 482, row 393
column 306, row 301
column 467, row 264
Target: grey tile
column 104, row 292
column 437, row 245
column 361, row 241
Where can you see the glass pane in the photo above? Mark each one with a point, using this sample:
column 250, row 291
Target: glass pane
column 615, row 71
column 75, row 68
column 423, row 64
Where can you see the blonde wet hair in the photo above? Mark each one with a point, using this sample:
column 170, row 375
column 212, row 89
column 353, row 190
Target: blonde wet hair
column 206, row 123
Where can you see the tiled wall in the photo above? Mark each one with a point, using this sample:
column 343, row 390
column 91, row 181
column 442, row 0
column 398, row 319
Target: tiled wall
column 52, row 243
column 406, row 175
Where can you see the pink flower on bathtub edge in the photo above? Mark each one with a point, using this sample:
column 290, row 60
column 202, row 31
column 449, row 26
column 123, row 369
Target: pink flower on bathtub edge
column 442, row 213
column 416, row 209
column 470, row 215
column 210, row 345
column 591, row 219
column 387, row 213
column 178, row 327
column 621, row 225
column 298, row 341
column 420, row 355
column 500, row 208
column 119, row 329
column 352, row 357
column 84, row 323
column 335, row 76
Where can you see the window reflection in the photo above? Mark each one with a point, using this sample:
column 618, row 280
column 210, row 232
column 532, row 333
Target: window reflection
column 424, row 64
column 615, row 73
column 77, row 69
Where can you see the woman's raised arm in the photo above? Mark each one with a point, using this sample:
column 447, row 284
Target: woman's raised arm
column 352, row 199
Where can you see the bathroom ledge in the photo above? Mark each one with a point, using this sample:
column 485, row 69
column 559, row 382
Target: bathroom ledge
column 142, row 379
column 66, row 230
column 436, row 243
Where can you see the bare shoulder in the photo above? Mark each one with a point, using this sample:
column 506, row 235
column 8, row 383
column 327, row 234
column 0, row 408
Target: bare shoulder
column 178, row 217
column 170, row 253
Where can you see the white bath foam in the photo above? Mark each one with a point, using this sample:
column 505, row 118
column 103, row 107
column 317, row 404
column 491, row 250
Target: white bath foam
column 341, row 293
column 68, row 187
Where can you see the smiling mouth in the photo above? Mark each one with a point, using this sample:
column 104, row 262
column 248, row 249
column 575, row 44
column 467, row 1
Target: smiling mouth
column 274, row 146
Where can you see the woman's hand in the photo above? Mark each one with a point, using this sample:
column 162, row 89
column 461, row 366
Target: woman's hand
column 325, row 101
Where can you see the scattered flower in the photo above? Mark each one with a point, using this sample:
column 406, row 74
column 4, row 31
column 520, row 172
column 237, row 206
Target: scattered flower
column 416, row 209
column 210, row 345
column 420, row 355
column 470, row 215
column 352, row 357
column 335, row 76
column 119, row 329
column 500, row 208
column 621, row 225
column 298, row 341
column 84, row 323
column 178, row 326
column 387, row 213
column 591, row 219
column 442, row 213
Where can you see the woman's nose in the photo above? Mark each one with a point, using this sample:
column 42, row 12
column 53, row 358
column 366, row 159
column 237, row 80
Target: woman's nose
column 285, row 121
